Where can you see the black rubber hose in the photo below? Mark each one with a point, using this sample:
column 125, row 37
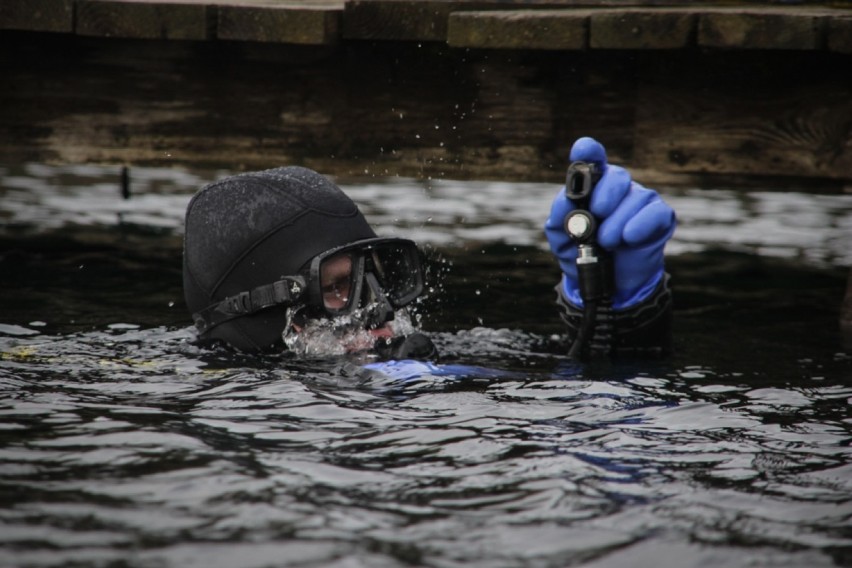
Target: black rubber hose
column 584, row 334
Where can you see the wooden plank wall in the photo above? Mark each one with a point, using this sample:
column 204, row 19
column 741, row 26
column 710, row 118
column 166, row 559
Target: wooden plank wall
column 431, row 87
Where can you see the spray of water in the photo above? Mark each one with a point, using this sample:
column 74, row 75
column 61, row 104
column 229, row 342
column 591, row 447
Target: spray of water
column 324, row 337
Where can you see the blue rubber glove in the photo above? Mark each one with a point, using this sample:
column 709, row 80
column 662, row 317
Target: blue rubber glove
column 635, row 224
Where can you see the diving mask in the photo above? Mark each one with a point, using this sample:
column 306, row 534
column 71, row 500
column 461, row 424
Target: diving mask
column 379, row 275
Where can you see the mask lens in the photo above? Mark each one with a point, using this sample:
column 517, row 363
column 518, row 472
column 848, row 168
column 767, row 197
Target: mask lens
column 336, row 281
column 397, row 268
column 377, row 270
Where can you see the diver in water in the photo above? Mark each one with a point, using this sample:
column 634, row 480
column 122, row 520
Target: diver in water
column 274, row 257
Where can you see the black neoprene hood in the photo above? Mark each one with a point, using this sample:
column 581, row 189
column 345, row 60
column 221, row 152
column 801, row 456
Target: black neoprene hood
column 252, row 229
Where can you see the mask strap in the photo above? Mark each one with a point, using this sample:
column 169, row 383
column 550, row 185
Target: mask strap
column 285, row 292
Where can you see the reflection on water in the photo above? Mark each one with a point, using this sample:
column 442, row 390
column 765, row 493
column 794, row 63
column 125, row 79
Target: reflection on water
column 121, row 443
column 814, row 228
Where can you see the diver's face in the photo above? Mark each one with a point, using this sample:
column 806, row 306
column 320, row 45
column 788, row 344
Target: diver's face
column 336, row 281
column 357, row 298
column 336, row 287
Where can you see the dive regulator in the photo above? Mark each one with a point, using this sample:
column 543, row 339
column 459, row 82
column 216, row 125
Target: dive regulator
column 594, row 264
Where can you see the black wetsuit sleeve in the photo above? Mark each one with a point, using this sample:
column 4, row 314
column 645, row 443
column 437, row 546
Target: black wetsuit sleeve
column 644, row 329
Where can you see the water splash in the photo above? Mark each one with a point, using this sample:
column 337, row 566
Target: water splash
column 345, row 334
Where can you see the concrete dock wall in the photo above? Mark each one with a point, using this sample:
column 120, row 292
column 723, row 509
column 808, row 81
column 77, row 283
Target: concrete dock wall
column 437, row 88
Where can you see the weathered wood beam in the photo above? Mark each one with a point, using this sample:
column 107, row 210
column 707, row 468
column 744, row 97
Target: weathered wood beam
column 756, row 114
column 424, row 110
column 840, row 34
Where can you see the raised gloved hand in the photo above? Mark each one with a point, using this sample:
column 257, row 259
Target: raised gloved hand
column 634, row 225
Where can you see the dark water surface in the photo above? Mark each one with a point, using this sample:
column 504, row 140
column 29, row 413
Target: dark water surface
column 122, row 444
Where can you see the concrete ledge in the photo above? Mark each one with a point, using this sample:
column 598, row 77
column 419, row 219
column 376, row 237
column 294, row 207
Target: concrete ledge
column 143, row 20
column 760, row 30
column 493, row 24
column 412, row 20
column 801, row 29
column 302, row 25
column 642, row 29
column 37, row 15
column 520, row 29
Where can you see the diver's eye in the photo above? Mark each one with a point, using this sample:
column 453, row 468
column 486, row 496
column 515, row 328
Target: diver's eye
column 336, row 294
column 336, row 281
